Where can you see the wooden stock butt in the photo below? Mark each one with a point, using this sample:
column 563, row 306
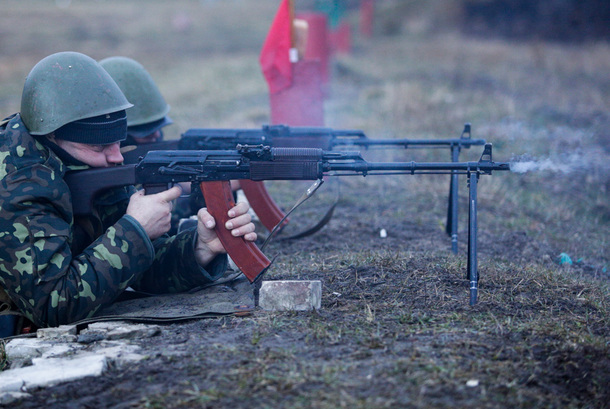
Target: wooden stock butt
column 246, row 255
column 263, row 205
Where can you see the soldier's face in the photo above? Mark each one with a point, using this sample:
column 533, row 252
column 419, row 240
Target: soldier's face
column 96, row 156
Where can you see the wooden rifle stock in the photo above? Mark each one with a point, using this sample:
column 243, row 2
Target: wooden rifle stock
column 246, row 255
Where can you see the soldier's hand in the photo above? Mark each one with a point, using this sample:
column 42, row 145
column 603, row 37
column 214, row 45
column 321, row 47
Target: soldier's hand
column 208, row 244
column 153, row 212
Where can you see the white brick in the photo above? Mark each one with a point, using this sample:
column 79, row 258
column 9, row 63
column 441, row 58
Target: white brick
column 290, row 295
column 25, row 349
column 120, row 353
column 62, row 332
column 19, row 349
column 123, row 330
column 51, row 371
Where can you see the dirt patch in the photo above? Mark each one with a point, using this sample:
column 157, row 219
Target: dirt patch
column 395, row 328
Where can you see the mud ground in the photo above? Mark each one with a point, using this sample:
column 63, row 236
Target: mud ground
column 395, row 328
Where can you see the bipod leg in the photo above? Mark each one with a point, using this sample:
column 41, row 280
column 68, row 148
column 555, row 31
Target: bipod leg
column 472, row 273
column 451, row 228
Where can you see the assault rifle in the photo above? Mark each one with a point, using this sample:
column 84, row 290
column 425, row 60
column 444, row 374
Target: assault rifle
column 213, row 170
column 276, row 136
column 282, row 136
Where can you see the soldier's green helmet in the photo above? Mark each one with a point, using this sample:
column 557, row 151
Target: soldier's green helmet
column 66, row 87
column 150, row 110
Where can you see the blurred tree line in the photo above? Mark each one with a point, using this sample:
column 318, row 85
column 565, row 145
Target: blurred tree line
column 562, row 20
column 558, row 20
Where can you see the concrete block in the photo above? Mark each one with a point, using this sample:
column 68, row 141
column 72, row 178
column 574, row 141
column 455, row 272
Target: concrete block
column 61, row 333
column 51, row 371
column 290, row 295
column 20, row 349
column 120, row 353
column 61, row 350
column 26, row 349
column 122, row 330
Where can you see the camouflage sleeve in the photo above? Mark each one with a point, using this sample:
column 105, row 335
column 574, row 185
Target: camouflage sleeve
column 175, row 269
column 48, row 283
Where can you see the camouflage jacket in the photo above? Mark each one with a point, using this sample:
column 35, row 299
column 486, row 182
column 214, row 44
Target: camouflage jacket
column 57, row 270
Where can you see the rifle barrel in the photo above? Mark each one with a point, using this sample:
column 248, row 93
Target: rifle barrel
column 416, row 167
column 410, row 142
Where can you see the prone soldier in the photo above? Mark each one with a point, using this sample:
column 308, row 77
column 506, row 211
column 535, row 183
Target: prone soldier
column 56, row 268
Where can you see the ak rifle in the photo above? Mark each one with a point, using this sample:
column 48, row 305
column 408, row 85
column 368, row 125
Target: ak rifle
column 308, row 137
column 213, row 169
column 324, row 138
column 282, row 136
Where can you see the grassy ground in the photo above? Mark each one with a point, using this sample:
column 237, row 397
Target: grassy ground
column 395, row 328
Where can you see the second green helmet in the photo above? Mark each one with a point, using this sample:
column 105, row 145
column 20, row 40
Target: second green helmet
column 139, row 88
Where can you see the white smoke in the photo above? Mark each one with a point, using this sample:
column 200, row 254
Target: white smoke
column 565, row 165
column 538, row 165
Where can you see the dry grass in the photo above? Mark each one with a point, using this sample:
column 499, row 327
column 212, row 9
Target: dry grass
column 395, row 329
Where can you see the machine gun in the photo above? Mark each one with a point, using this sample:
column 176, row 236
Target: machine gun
column 323, row 138
column 212, row 171
column 307, row 137
column 282, row 136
